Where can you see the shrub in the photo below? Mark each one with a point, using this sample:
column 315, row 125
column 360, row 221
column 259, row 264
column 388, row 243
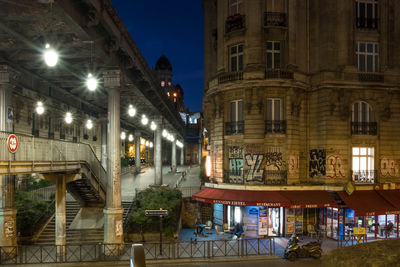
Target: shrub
column 154, row 199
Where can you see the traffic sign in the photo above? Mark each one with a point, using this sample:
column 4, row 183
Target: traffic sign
column 12, row 143
column 156, row 212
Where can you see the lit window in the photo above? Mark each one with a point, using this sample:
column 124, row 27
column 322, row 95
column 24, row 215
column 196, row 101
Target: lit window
column 363, row 164
column 168, row 94
column 273, row 55
column 235, row 7
column 169, row 83
column 367, row 56
column 162, row 83
column 236, row 57
column 175, row 94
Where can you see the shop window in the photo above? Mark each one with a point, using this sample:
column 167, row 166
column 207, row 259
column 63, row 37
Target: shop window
column 367, row 14
column 367, row 56
column 273, row 55
column 235, row 7
column 363, row 170
column 236, row 57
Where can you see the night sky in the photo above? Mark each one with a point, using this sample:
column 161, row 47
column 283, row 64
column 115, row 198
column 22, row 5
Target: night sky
column 173, row 28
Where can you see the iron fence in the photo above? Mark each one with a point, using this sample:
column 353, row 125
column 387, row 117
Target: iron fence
column 275, row 19
column 346, row 240
column 364, row 128
column 32, row 254
column 365, row 176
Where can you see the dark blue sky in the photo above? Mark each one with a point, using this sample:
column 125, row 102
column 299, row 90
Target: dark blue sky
column 173, row 28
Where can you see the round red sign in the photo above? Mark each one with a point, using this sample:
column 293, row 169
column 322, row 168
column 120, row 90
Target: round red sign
column 12, row 143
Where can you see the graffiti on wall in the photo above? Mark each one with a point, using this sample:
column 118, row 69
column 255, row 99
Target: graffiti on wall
column 335, row 166
column 236, row 164
column 274, row 159
column 317, row 163
column 389, row 167
column 293, row 164
column 254, row 157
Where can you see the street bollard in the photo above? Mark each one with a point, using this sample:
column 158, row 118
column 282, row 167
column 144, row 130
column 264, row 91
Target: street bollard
column 137, row 256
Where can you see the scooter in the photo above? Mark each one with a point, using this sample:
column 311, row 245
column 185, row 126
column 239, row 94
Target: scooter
column 294, row 250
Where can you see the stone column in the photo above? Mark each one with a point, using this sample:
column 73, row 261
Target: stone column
column 8, row 214
column 173, row 156
column 137, row 151
column 158, row 154
column 104, row 144
column 183, row 155
column 113, row 232
column 60, row 215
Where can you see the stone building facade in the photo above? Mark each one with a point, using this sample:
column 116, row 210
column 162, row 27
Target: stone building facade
column 300, row 84
column 300, row 95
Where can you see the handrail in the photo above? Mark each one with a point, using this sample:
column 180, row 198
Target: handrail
column 34, row 149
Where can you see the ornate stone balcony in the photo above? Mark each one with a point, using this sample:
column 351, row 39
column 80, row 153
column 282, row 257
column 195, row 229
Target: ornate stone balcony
column 278, row 74
column 234, row 22
column 230, row 76
column 364, row 128
column 275, row 19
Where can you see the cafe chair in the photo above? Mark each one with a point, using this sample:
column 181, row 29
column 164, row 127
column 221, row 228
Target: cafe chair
column 208, row 225
column 311, row 231
column 226, row 228
column 218, row 230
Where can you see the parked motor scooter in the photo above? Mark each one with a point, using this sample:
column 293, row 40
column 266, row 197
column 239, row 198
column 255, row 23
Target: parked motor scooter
column 294, row 250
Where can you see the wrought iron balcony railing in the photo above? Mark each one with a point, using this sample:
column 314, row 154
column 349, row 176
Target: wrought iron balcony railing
column 278, row 74
column 365, row 176
column 367, row 23
column 234, row 127
column 268, row 177
column 230, row 76
column 275, row 19
column 371, row 77
column 276, row 127
column 365, row 128
column 235, row 22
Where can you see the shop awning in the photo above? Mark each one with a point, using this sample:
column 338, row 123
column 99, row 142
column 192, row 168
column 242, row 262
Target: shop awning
column 391, row 196
column 367, row 203
column 309, row 199
column 241, row 197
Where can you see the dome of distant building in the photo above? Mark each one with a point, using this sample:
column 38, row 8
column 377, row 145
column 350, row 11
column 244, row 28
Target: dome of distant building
column 163, row 64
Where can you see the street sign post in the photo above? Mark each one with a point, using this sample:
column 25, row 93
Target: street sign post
column 160, row 213
column 12, row 143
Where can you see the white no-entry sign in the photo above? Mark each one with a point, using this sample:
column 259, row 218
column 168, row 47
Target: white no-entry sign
column 12, row 143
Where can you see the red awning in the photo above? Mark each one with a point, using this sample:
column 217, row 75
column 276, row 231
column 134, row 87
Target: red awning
column 241, row 197
column 391, row 196
column 309, row 199
column 367, row 203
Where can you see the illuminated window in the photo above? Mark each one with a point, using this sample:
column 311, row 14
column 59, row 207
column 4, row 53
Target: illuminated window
column 162, row 83
column 168, row 94
column 363, row 164
column 169, row 83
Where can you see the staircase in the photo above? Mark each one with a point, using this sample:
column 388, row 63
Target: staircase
column 74, row 236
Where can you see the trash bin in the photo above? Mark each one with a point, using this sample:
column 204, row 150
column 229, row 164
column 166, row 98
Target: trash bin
column 137, row 256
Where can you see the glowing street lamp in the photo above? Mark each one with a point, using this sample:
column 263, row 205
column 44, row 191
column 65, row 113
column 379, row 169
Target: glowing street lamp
column 39, row 108
column 50, row 56
column 145, row 120
column 142, row 141
column 147, row 143
column 153, row 126
column 89, row 124
column 123, row 135
column 130, row 138
column 164, row 133
column 68, row 117
column 131, row 111
column 91, row 82
column 151, row 144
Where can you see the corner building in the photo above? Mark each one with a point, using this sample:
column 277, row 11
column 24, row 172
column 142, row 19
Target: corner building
column 301, row 100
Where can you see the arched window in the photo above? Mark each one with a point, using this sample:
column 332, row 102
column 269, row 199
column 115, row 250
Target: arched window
column 363, row 119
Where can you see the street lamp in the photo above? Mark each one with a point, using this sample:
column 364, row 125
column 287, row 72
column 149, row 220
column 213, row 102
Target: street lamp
column 142, row 141
column 130, row 138
column 91, row 82
column 68, row 117
column 145, row 120
column 164, row 133
column 153, row 126
column 131, row 111
column 147, row 143
column 50, row 56
column 151, row 144
column 123, row 135
column 89, row 124
column 39, row 108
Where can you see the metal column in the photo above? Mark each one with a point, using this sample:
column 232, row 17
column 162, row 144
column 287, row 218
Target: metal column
column 158, row 179
column 137, row 151
column 173, row 156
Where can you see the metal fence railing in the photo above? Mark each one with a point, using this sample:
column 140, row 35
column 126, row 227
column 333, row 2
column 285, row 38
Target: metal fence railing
column 34, row 149
column 32, row 254
column 346, row 240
